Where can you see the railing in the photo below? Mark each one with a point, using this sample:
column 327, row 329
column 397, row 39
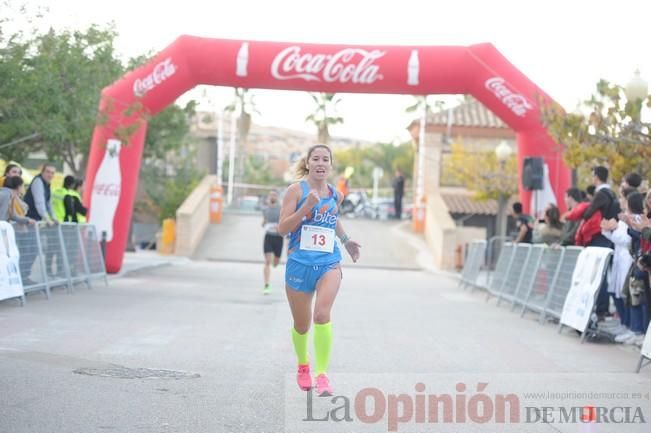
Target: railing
column 64, row 255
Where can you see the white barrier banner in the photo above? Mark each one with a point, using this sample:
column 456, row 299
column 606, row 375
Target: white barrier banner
column 11, row 285
column 646, row 347
column 586, row 279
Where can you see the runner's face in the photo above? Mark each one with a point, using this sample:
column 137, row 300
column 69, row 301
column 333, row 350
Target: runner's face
column 15, row 171
column 319, row 164
column 273, row 197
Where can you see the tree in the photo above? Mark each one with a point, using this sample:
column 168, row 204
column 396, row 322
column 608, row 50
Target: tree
column 481, row 173
column 244, row 104
column 64, row 73
column 14, row 118
column 322, row 118
column 606, row 130
column 167, row 130
column 165, row 184
column 384, row 155
column 420, row 100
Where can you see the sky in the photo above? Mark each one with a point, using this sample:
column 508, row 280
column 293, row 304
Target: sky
column 565, row 47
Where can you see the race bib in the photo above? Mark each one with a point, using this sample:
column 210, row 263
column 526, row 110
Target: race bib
column 271, row 227
column 315, row 238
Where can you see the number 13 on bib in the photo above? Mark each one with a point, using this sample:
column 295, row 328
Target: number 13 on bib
column 315, row 238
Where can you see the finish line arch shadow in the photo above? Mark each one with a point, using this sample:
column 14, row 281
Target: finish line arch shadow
column 118, row 138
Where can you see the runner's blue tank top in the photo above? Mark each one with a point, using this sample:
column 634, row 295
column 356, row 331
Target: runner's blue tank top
column 324, row 214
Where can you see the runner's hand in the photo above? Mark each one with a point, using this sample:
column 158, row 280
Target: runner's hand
column 353, row 249
column 312, row 198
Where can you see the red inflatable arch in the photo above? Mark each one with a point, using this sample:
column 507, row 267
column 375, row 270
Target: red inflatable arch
column 479, row 70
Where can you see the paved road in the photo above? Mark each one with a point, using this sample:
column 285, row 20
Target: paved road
column 209, row 318
column 385, row 244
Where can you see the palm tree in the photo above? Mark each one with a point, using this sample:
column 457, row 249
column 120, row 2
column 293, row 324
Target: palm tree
column 326, row 103
column 244, row 104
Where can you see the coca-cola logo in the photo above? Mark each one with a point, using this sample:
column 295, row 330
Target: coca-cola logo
column 354, row 65
column 516, row 102
column 161, row 72
column 107, row 189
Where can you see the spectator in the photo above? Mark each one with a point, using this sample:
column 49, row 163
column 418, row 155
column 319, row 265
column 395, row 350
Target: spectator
column 398, row 185
column 618, row 233
column 568, row 233
column 636, row 288
column 38, row 196
column 342, row 186
column 75, row 211
column 589, row 192
column 605, row 201
column 59, row 195
column 10, row 171
column 20, row 207
column 632, row 180
column 549, row 232
column 587, row 228
column 10, row 200
column 523, row 223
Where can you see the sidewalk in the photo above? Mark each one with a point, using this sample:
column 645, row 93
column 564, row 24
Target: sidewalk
column 143, row 260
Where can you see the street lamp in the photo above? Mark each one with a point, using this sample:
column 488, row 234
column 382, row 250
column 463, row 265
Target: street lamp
column 503, row 152
column 636, row 91
column 637, row 88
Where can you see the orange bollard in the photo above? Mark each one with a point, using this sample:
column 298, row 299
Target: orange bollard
column 418, row 216
column 168, row 236
column 216, row 202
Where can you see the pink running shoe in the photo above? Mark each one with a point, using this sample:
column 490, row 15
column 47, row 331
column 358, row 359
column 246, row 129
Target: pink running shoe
column 323, row 388
column 303, row 377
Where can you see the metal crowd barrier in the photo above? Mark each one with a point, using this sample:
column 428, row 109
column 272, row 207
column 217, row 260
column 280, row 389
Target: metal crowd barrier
column 544, row 278
column 473, row 263
column 62, row 255
column 502, row 269
column 536, row 277
column 562, row 284
column 516, row 272
column 528, row 275
column 494, row 248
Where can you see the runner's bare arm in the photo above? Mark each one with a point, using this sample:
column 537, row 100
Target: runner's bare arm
column 289, row 217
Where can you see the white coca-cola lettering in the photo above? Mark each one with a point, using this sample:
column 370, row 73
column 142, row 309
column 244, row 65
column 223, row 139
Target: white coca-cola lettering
column 109, row 189
column 161, row 72
column 516, row 102
column 354, row 65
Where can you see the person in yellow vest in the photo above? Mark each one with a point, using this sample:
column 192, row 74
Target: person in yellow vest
column 58, row 197
column 75, row 211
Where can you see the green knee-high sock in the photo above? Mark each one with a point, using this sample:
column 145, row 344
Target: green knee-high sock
column 322, row 346
column 300, row 346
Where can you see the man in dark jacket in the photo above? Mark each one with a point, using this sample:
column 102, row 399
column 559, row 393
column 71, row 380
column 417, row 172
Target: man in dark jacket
column 39, row 196
column 605, row 200
column 39, row 200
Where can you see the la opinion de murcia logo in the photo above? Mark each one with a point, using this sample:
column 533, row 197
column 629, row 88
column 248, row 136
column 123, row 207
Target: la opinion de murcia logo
column 354, row 65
